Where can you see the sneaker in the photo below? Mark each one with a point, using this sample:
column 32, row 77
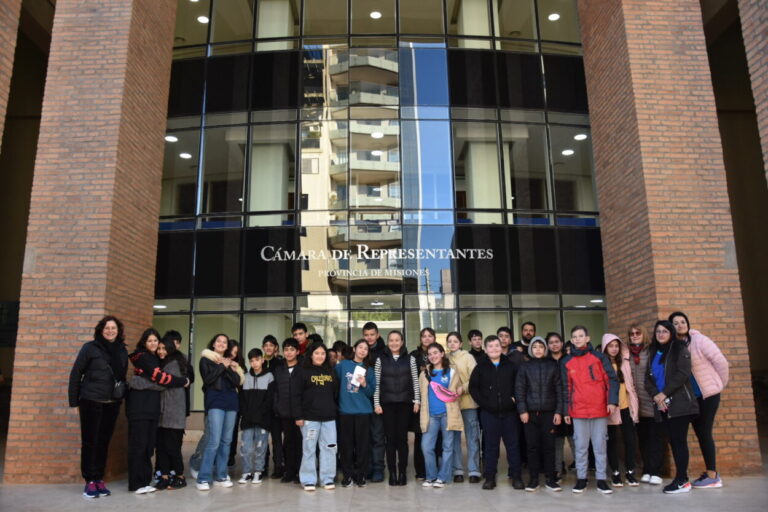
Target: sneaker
column 309, row 488
column 474, row 479
column 532, row 486
column 655, row 480
column 581, row 484
column 246, row 478
column 257, row 478
column 162, row 483
column 223, row 483
column 427, row 483
column 286, row 479
column 193, row 472
column 602, row 487
column 458, row 479
column 704, row 482
column 145, row 490
column 103, row 491
column 203, row 486
column 490, row 483
column 360, row 482
column 616, row 480
column 572, row 466
column 90, row 490
column 552, row 485
column 177, row 482
column 438, row 484
column 677, row 487
column 631, row 481
column 329, row 486
column 517, row 483
column 646, row 478
column 346, row 481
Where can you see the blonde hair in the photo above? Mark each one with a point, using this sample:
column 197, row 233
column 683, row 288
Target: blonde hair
column 643, row 333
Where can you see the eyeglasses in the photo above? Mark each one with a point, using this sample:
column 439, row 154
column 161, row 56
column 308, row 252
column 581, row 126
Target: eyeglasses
column 662, row 332
column 635, row 333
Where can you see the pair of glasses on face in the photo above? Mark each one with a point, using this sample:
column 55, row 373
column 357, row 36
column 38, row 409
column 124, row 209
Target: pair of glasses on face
column 635, row 333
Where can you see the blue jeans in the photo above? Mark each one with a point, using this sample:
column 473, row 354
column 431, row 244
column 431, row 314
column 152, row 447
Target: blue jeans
column 219, row 425
column 312, row 434
column 197, row 458
column 429, row 439
column 472, row 435
column 253, row 449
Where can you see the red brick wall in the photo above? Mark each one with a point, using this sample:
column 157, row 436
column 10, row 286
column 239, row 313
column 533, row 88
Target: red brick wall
column 665, row 216
column 754, row 27
column 92, row 232
column 9, row 28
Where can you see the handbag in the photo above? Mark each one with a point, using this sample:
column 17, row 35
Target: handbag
column 120, row 388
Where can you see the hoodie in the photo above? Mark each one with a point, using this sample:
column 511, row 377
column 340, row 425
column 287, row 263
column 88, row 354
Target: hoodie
column 256, row 400
column 538, row 386
column 628, row 384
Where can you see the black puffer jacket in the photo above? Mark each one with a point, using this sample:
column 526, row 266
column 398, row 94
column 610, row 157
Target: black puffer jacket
column 91, row 377
column 677, row 381
column 285, row 382
column 493, row 387
column 538, row 387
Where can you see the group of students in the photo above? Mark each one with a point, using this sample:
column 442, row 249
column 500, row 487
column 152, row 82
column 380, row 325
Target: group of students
column 353, row 407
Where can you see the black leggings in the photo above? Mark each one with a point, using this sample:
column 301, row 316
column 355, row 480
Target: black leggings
column 702, row 426
column 677, row 429
column 627, row 428
column 396, row 419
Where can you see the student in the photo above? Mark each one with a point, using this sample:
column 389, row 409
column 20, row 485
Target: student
column 555, row 351
column 300, row 334
column 527, row 333
column 710, row 376
column 441, row 386
column 668, row 381
column 397, row 394
column 273, row 359
column 315, row 395
column 376, row 347
column 355, row 410
column 464, row 363
column 287, row 410
column 169, row 463
column 342, row 350
column 237, row 356
column 175, row 336
column 143, row 409
column 256, row 399
column 627, row 414
column 221, row 376
column 539, row 399
column 96, row 388
column 476, row 344
column 427, row 336
column 592, row 394
column 517, row 357
column 492, row 386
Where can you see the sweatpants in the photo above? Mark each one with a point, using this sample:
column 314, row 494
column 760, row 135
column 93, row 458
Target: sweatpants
column 584, row 431
column 168, row 456
column 496, row 429
column 142, row 438
column 354, row 444
column 629, row 436
column 97, row 422
column 540, row 443
column 702, row 426
column 292, row 447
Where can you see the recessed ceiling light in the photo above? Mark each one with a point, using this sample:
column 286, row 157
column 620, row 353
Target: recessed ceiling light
column 203, row 19
column 553, row 17
column 377, row 152
column 580, row 306
column 377, row 135
column 171, row 138
column 567, row 152
column 375, row 15
column 159, row 306
column 596, row 301
column 185, row 156
column 194, row 1
column 580, row 136
column 377, row 303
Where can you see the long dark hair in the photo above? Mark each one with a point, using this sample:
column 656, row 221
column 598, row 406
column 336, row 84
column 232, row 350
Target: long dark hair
column 456, row 335
column 213, row 341
column 687, row 322
column 307, row 362
column 239, row 357
column 142, row 344
column 615, row 360
column 655, row 345
column 367, row 360
column 99, row 336
column 446, row 363
column 173, row 354
column 421, row 333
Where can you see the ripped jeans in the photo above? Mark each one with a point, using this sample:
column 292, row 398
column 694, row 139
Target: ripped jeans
column 314, row 433
column 253, row 448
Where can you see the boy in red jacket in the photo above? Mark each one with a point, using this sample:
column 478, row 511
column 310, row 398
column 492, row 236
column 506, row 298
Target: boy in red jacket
column 591, row 395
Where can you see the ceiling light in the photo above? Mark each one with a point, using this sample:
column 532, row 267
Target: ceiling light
column 377, row 303
column 553, row 17
column 203, row 19
column 377, row 135
column 194, row 1
column 567, row 152
column 375, row 15
column 185, row 156
column 159, row 306
column 580, row 136
column 377, row 152
column 596, row 301
column 171, row 138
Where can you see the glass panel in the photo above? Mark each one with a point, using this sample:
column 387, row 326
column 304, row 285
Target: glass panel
column 529, row 219
column 179, row 323
column 424, row 78
column 332, row 218
column 273, row 116
column 427, row 172
column 324, row 165
column 325, row 266
column 330, row 325
column 257, row 326
column 272, row 182
column 546, row 321
column 464, row 42
column 422, row 17
column 373, row 77
column 191, row 23
column 276, row 18
column 218, row 304
column 375, row 269
column 375, row 164
column 484, row 321
column 373, row 17
column 468, row 18
column 217, row 263
column 433, row 217
column 179, row 188
column 227, row 83
column 514, row 18
column 487, row 272
column 430, row 301
column 256, row 303
column 479, row 217
column 566, row 83
column 206, row 327
column 232, row 20
column 226, row 119
column 377, row 302
column 510, row 45
column 524, row 153
column 535, row 301
column 325, row 81
column 584, row 301
column 596, row 323
column 464, row 68
column 172, row 305
column 533, row 259
column 430, row 265
column 562, row 49
column 559, row 20
column 385, row 320
column 185, row 96
column 485, row 301
column 269, row 270
column 173, row 277
column 476, row 165
column 230, row 48
column 442, row 322
column 591, row 221
column 276, row 80
column 581, row 260
column 223, row 168
column 574, row 169
column 373, row 42
column 280, row 219
column 325, row 17
column 522, row 116
column 520, row 81
column 321, row 302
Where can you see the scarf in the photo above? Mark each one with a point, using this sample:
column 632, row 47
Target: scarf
column 635, row 349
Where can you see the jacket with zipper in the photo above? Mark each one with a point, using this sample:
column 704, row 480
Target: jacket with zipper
column 677, row 381
column 590, row 383
column 256, row 399
column 92, row 377
column 493, row 387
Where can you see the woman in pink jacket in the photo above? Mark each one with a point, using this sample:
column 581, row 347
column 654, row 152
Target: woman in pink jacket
column 710, row 376
column 625, row 415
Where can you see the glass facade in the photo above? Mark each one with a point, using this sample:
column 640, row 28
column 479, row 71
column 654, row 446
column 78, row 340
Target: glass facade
column 413, row 163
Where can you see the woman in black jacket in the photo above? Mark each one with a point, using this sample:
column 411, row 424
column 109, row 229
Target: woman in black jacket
column 668, row 381
column 143, row 409
column 95, row 382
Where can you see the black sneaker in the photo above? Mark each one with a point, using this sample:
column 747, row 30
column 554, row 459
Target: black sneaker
column 360, row 482
column 277, row 474
column 631, row 481
column 346, row 481
column 571, row 466
column 677, row 487
column 581, row 484
column 286, row 479
column 490, row 483
column 616, row 479
column 552, row 485
column 178, row 482
column 602, row 487
column 474, row 479
column 458, row 479
column 517, row 482
column 162, row 484
column 532, row 486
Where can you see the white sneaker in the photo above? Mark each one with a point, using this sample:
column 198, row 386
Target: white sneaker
column 427, row 483
column 256, row 478
column 223, row 483
column 203, row 486
column 193, row 472
column 438, row 484
column 246, row 478
column 309, row 488
column 646, row 478
column 329, row 486
column 655, row 480
column 145, row 490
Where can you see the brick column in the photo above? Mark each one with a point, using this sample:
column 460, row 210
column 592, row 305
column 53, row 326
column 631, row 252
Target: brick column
column 9, row 28
column 665, row 216
column 92, row 231
column 754, row 28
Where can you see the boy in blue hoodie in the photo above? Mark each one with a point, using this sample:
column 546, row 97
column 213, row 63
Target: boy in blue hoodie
column 255, row 417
